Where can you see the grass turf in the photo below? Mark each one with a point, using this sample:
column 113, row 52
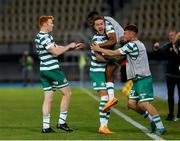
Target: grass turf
column 20, row 117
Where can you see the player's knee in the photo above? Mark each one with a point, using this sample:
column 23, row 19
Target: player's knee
column 68, row 93
column 144, row 105
column 48, row 96
column 48, row 100
column 131, row 105
column 103, row 93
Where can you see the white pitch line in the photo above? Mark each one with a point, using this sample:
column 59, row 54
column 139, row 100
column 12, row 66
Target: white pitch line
column 126, row 118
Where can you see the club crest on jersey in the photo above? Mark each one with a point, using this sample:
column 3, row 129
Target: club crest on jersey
column 94, row 83
column 65, row 80
column 102, row 84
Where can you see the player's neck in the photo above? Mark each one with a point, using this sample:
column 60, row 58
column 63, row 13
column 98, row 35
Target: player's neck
column 42, row 29
column 134, row 39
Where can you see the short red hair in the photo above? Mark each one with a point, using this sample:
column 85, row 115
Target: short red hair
column 44, row 19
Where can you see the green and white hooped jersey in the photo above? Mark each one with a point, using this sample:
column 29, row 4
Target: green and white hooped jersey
column 96, row 66
column 137, row 60
column 116, row 27
column 43, row 41
column 108, row 27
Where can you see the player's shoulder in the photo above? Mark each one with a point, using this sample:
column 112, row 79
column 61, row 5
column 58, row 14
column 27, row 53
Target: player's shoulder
column 108, row 18
column 42, row 35
column 130, row 44
column 136, row 43
column 94, row 36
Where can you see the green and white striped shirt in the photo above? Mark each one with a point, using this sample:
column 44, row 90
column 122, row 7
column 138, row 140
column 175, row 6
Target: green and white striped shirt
column 96, row 66
column 108, row 27
column 43, row 41
column 117, row 27
column 137, row 60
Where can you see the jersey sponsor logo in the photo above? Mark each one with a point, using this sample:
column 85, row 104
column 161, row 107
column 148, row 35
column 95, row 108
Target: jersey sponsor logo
column 132, row 92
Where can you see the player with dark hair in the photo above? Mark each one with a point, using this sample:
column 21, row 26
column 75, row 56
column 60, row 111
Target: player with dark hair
column 138, row 71
column 114, row 33
column 97, row 74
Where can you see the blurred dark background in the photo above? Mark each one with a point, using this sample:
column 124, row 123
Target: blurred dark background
column 19, row 25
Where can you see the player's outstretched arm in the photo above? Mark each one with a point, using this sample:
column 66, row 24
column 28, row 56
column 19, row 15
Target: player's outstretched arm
column 79, row 46
column 58, row 50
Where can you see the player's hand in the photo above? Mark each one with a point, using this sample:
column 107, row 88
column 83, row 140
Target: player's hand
column 122, row 41
column 95, row 47
column 72, row 45
column 100, row 57
column 156, row 46
column 79, row 45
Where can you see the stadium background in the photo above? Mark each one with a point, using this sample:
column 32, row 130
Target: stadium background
column 19, row 25
column 20, row 108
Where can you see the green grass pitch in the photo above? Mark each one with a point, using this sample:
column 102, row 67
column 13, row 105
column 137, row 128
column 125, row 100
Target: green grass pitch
column 20, row 117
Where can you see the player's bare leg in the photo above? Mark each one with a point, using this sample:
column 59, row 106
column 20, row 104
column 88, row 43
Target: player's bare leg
column 155, row 117
column 110, row 69
column 46, row 110
column 64, row 104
